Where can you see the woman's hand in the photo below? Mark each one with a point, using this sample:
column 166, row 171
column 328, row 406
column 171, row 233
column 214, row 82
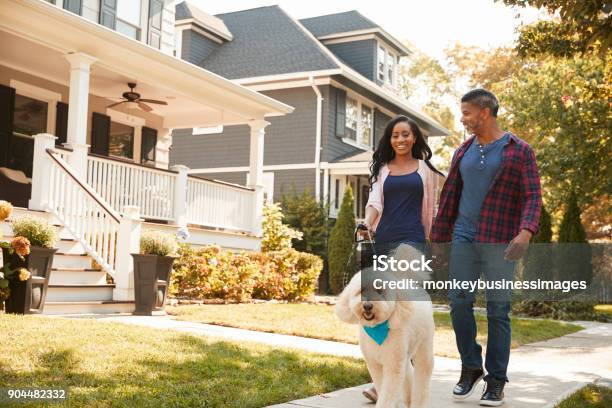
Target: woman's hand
column 364, row 231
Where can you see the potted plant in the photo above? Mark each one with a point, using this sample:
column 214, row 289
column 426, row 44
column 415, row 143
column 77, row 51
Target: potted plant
column 27, row 261
column 152, row 270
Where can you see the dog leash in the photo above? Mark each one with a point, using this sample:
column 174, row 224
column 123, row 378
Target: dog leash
column 356, row 241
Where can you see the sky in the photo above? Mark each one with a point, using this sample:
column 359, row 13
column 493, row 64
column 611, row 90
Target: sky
column 431, row 25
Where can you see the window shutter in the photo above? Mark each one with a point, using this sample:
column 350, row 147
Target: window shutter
column 74, row 6
column 108, row 13
column 147, row 146
column 7, row 109
column 100, row 133
column 156, row 8
column 340, row 112
column 61, row 123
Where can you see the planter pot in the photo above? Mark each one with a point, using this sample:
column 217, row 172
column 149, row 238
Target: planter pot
column 28, row 297
column 151, row 279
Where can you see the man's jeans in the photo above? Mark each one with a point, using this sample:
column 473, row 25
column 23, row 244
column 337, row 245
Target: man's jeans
column 467, row 262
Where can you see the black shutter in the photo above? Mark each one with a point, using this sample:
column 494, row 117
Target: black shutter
column 61, row 124
column 100, row 133
column 7, row 110
column 340, row 112
column 108, row 13
column 156, row 8
column 147, row 146
column 74, row 6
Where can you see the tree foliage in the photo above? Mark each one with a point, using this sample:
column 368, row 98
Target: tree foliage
column 277, row 236
column 579, row 26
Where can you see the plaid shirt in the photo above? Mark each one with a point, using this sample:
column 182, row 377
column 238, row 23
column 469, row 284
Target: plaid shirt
column 513, row 203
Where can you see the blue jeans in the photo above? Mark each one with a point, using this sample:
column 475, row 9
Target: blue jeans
column 467, row 262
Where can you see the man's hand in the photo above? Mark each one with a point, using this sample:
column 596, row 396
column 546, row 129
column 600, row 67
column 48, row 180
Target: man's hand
column 439, row 255
column 518, row 246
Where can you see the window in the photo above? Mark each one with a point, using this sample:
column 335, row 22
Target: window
column 390, row 67
column 352, row 118
column 381, row 63
column 30, row 116
column 121, row 140
column 128, row 18
column 366, row 125
column 386, row 62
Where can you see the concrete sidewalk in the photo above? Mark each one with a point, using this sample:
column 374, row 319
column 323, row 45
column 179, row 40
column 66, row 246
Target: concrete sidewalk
column 541, row 374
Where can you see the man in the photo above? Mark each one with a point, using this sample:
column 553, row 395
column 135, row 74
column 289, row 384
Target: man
column 489, row 210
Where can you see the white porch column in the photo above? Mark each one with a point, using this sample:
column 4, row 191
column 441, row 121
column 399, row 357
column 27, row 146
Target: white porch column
column 180, row 195
column 41, row 171
column 256, row 162
column 80, row 65
column 128, row 242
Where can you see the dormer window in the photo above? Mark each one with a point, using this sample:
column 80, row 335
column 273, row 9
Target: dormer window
column 386, row 63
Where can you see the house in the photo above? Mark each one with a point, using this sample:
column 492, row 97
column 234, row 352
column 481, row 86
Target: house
column 90, row 92
column 339, row 71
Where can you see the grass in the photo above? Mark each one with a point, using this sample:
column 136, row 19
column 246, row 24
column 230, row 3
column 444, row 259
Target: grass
column 107, row 364
column 591, row 396
column 319, row 321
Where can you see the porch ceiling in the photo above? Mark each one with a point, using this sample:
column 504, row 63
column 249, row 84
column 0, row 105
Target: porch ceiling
column 36, row 36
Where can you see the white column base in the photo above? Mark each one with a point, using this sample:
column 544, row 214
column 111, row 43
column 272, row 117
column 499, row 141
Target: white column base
column 128, row 243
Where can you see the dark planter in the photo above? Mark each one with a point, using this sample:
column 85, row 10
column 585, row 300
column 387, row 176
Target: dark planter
column 29, row 297
column 151, row 280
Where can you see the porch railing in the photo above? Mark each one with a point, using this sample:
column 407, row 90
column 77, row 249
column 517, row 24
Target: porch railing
column 222, row 205
column 82, row 211
column 121, row 184
column 171, row 196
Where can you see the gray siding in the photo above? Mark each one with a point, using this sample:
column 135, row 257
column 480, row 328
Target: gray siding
column 236, row 178
column 380, row 122
column 359, row 55
column 196, row 47
column 289, row 139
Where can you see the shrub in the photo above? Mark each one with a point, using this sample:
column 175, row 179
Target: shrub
column 574, row 255
column 276, row 235
column 539, row 257
column 6, row 209
column 38, row 231
column 158, row 243
column 213, row 273
column 340, row 245
column 305, row 214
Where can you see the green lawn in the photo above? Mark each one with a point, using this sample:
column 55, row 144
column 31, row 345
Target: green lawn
column 319, row 321
column 591, row 396
column 114, row 365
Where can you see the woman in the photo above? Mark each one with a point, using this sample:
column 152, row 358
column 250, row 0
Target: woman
column 400, row 207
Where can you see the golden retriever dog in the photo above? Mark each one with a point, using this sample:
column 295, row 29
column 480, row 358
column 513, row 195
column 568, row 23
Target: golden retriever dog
column 401, row 366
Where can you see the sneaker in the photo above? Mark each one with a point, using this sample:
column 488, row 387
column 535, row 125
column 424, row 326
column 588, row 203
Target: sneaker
column 470, row 377
column 493, row 395
column 371, row 394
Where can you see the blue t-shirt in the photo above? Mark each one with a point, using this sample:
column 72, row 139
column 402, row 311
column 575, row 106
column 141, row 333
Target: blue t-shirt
column 478, row 168
column 401, row 216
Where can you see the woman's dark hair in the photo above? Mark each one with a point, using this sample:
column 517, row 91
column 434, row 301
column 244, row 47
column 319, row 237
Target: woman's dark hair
column 384, row 152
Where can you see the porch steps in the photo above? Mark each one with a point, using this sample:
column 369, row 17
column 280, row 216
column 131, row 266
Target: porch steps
column 76, row 284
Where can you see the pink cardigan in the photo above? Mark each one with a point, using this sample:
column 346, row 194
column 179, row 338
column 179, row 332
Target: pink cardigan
column 430, row 188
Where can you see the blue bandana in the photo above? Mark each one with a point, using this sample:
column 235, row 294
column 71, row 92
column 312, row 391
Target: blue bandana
column 379, row 332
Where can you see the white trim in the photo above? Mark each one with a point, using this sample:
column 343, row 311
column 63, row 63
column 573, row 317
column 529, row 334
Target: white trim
column 287, row 77
column 41, row 94
column 209, row 130
column 349, row 39
column 304, row 83
column 200, row 31
column 240, row 169
column 192, row 23
column 388, row 37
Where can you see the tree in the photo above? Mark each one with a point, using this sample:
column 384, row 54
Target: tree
column 574, row 253
column 305, row 214
column 340, row 245
column 539, row 258
column 276, row 235
column 581, row 27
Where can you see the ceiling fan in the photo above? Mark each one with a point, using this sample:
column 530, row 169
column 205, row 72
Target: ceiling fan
column 134, row 98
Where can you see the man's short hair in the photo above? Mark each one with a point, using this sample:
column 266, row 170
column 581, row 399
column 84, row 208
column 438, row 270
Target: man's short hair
column 483, row 99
